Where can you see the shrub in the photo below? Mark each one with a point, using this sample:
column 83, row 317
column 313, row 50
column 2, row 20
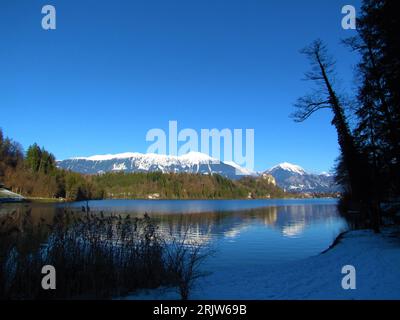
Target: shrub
column 95, row 256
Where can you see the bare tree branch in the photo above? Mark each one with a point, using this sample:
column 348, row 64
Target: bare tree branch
column 307, row 105
column 322, row 65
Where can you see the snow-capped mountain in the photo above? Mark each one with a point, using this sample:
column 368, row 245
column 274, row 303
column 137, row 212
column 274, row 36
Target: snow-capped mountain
column 294, row 178
column 289, row 177
column 288, row 167
column 192, row 162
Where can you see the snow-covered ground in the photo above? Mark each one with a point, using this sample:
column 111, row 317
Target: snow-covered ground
column 9, row 196
column 376, row 259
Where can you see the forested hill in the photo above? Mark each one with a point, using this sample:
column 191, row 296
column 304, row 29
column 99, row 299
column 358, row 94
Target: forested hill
column 156, row 185
column 34, row 174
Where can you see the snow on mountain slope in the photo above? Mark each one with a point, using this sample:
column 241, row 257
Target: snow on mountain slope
column 192, row 162
column 290, row 167
column 294, row 178
column 241, row 170
column 290, row 177
column 191, row 157
column 105, row 157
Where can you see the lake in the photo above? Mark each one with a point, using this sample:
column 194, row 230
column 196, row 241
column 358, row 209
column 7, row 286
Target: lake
column 242, row 233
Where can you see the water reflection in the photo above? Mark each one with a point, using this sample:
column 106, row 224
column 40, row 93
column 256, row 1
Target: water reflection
column 290, row 220
column 283, row 230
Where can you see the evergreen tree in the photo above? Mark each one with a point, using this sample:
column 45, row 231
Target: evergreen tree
column 47, row 162
column 40, row 160
column 10, row 154
column 378, row 125
column 33, row 157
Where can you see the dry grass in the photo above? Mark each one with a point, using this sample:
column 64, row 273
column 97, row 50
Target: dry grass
column 95, row 256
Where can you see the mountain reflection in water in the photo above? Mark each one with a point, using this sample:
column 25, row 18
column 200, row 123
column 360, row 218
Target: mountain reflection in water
column 243, row 233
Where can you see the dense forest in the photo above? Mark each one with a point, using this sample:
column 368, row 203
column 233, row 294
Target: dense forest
column 368, row 123
column 34, row 174
column 183, row 186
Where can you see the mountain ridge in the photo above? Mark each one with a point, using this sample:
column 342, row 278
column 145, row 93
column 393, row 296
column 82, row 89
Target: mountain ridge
column 192, row 162
column 288, row 176
column 293, row 178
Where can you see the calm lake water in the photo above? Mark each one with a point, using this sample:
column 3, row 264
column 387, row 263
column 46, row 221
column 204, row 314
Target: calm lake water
column 242, row 233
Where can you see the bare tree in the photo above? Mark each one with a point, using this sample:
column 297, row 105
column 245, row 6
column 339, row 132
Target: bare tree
column 325, row 97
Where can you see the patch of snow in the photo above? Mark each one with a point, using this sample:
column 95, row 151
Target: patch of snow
column 376, row 258
column 119, row 167
column 4, row 193
column 298, row 187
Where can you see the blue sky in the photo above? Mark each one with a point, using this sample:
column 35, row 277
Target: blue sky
column 112, row 70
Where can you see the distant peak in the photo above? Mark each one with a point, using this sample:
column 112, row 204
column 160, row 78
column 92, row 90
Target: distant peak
column 289, row 167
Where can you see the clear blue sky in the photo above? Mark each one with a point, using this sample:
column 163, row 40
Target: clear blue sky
column 112, row 70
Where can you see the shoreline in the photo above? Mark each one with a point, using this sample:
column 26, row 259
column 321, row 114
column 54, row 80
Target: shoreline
column 337, row 241
column 57, row 200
